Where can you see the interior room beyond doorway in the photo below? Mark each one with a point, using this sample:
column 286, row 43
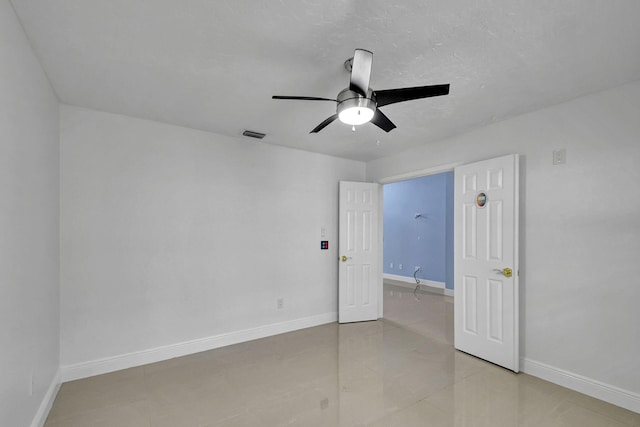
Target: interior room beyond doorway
column 418, row 232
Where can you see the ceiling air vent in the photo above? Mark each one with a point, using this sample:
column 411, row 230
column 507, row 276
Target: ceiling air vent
column 252, row 134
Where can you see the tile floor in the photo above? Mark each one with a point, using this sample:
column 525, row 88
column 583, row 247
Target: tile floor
column 401, row 371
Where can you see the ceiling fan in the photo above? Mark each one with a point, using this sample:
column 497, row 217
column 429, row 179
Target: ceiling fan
column 359, row 104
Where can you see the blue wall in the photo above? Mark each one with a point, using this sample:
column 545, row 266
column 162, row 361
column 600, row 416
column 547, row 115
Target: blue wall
column 426, row 241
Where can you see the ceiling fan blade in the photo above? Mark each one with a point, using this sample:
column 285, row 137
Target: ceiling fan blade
column 391, row 96
column 324, row 124
column 361, row 71
column 382, row 121
column 302, row 98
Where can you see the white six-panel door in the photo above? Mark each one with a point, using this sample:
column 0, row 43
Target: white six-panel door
column 359, row 276
column 486, row 260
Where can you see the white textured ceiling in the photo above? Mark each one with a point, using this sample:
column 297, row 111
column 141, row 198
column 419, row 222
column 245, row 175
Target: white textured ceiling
column 214, row 64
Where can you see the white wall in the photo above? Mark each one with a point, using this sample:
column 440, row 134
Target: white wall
column 29, row 304
column 580, row 232
column 171, row 235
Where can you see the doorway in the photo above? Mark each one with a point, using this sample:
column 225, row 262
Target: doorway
column 486, row 258
column 418, row 254
column 418, row 231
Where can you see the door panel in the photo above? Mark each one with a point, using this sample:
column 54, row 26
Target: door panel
column 470, row 305
column 485, row 243
column 494, row 230
column 495, row 323
column 469, row 231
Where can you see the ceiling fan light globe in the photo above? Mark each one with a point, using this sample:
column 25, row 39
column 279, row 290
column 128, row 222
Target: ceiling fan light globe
column 356, row 115
column 354, row 109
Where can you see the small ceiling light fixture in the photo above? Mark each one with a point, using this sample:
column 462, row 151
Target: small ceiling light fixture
column 354, row 109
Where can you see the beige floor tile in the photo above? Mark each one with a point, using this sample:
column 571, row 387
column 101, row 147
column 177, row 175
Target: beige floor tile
column 420, row 414
column 121, row 415
column 606, row 409
column 399, row 371
column 96, row 393
column 575, row 415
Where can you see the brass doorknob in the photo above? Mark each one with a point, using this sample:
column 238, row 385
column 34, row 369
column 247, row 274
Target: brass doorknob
column 506, row 272
column 344, row 258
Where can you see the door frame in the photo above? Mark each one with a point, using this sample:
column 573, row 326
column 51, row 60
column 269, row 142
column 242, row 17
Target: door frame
column 447, row 167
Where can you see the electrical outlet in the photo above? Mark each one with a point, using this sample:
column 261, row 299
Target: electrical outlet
column 280, row 303
column 390, row 265
column 399, row 266
column 560, row 156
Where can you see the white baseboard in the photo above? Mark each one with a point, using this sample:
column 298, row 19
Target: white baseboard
column 130, row 360
column 611, row 394
column 410, row 282
column 47, row 401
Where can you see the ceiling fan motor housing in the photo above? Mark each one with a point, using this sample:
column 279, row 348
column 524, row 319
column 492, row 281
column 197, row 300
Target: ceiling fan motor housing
column 355, row 109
